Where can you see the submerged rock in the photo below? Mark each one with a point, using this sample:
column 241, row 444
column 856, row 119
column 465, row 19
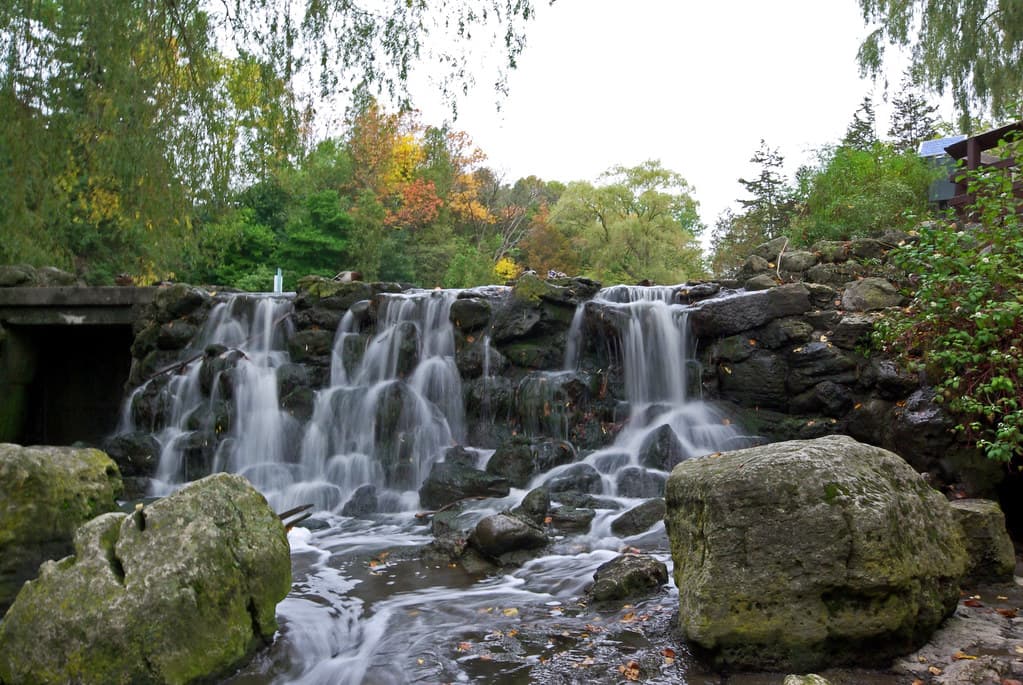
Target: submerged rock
column 809, row 553
column 181, row 592
column 45, row 494
column 628, row 576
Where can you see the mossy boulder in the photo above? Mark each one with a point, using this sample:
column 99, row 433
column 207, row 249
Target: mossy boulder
column 628, row 577
column 184, row 591
column 992, row 556
column 802, row 554
column 45, row 494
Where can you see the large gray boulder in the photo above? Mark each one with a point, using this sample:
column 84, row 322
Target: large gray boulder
column 184, row 590
column 992, row 556
column 802, row 554
column 45, row 494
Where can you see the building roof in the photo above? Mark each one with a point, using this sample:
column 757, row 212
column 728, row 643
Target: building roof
column 987, row 140
column 936, row 147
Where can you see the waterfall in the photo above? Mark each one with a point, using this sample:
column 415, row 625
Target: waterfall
column 391, row 413
column 657, row 355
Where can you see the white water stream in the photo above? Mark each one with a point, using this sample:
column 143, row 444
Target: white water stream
column 367, row 606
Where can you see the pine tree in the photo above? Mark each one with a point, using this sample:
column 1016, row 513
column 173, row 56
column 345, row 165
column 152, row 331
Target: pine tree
column 861, row 134
column 771, row 203
column 913, row 118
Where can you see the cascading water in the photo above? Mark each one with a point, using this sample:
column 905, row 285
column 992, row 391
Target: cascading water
column 366, row 606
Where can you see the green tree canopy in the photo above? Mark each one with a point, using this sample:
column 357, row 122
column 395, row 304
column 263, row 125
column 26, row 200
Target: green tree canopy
column 127, row 120
column 972, row 48
column 640, row 224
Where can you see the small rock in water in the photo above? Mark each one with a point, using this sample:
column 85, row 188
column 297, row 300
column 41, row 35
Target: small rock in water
column 628, row 576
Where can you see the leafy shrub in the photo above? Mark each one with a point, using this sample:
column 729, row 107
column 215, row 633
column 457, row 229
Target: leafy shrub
column 965, row 323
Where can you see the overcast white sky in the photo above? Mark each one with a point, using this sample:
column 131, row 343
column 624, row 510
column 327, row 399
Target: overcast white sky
column 694, row 84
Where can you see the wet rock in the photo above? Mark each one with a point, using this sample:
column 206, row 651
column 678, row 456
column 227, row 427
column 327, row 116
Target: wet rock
column 535, row 505
column 770, row 250
column 818, row 361
column 569, row 519
column 835, row 275
column 870, row 294
column 174, row 301
column 780, row 332
column 175, row 335
column 852, row 330
column 629, row 576
column 581, row 478
column 52, row 276
column 151, row 406
column 757, row 382
column 521, row 459
column 867, row 248
column 821, row 296
column 470, row 314
column 312, row 345
column 734, row 348
column 15, row 275
column 871, row 422
column 889, row 380
column 294, row 393
column 136, row 454
column 760, row 282
column 639, row 519
column 45, row 494
column 827, row 398
column 832, row 250
column 802, row 554
column 217, row 362
column 722, row 317
column 184, row 592
column 500, row 536
column 690, row 293
column 922, row 430
column 362, row 502
column 450, row 481
column 798, row 260
column 583, row 500
column 198, row 451
column 551, row 403
column 480, row 359
column 992, row 557
column 635, row 481
column 661, row 449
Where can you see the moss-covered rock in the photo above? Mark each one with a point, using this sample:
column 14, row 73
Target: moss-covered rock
column 45, row 494
column 992, row 557
column 181, row 592
column 802, row 554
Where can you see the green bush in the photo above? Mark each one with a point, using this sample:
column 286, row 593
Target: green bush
column 965, row 323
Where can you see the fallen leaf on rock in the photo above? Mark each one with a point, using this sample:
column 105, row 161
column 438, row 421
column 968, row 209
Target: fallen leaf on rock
column 1010, row 681
column 1002, row 597
column 973, row 602
column 510, row 611
column 628, row 618
column 960, row 656
column 918, row 682
column 630, row 670
column 1007, row 613
column 934, row 670
column 1018, row 649
column 464, row 646
column 669, row 655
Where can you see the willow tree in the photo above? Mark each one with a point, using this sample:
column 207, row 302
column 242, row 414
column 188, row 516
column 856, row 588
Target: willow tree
column 972, row 48
column 126, row 120
column 639, row 223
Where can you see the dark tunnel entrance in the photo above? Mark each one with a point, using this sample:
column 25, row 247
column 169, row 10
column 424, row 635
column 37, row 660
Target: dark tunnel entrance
column 65, row 383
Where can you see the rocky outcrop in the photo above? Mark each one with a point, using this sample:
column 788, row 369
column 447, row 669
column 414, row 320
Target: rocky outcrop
column 45, row 494
column 802, row 554
column 179, row 592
